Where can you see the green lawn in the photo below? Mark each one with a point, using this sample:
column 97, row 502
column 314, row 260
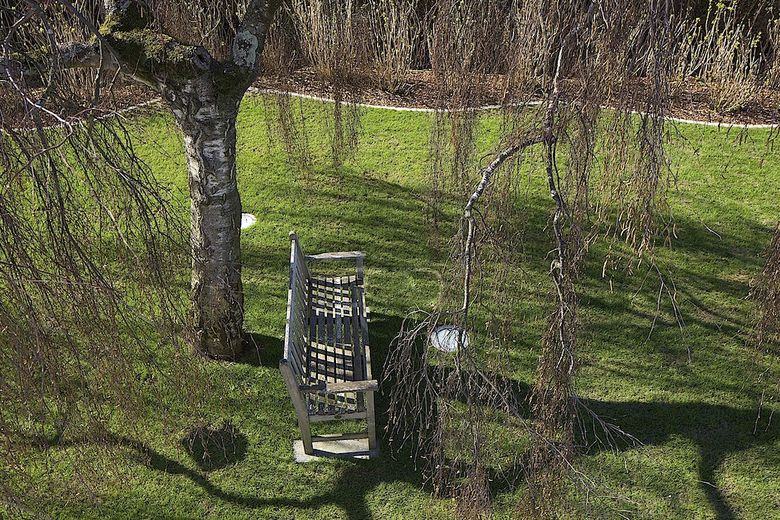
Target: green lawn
column 689, row 395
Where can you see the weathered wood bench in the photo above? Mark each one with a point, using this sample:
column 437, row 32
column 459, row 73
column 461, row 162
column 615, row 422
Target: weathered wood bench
column 327, row 360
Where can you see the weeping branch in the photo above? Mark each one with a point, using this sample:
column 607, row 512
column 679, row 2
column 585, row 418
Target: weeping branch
column 487, row 174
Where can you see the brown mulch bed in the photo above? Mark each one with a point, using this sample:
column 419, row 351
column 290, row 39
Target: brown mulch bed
column 693, row 101
column 689, row 101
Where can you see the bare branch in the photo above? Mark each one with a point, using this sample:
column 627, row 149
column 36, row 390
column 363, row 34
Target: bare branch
column 487, row 174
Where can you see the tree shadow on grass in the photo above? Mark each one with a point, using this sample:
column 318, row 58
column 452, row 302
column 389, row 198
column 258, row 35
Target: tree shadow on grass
column 215, row 447
column 349, row 492
column 261, row 350
column 718, row 431
column 356, row 480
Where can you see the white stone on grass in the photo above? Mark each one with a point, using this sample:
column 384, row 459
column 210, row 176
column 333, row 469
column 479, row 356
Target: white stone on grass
column 351, row 449
column 447, row 338
column 248, row 220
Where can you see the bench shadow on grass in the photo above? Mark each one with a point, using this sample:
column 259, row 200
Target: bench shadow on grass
column 718, row 431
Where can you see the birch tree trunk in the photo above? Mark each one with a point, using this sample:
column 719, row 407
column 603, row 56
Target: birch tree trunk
column 204, row 94
column 207, row 119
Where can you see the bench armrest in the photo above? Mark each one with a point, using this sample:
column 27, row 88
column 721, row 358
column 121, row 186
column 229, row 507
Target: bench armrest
column 342, row 387
column 339, row 255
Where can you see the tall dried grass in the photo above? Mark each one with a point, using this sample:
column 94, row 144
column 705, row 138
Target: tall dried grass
column 326, row 30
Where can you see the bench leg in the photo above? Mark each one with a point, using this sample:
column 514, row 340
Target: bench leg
column 305, row 426
column 299, row 403
column 370, row 421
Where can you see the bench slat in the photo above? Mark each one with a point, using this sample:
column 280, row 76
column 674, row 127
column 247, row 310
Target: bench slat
column 338, row 255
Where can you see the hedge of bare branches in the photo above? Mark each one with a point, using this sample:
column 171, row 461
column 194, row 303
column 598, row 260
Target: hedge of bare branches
column 730, row 48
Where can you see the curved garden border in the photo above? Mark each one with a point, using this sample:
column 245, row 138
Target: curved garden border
column 485, row 108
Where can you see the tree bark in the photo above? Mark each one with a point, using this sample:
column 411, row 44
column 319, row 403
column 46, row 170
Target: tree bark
column 207, row 118
column 204, row 94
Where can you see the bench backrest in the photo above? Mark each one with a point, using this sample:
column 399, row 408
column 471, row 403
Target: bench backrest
column 297, row 310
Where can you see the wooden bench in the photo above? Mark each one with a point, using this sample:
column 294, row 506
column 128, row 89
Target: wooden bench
column 327, row 360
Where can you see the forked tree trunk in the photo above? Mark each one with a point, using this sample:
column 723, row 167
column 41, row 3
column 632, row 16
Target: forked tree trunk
column 204, row 94
column 207, row 119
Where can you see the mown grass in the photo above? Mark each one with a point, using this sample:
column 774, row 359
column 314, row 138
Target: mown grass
column 689, row 395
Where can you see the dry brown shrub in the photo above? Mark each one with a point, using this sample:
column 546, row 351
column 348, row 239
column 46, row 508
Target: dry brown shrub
column 721, row 51
column 211, row 24
column 393, row 33
column 326, row 30
column 773, row 68
column 282, row 54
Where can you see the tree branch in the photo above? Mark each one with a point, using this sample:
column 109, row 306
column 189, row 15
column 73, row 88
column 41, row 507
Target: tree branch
column 86, row 55
column 146, row 55
column 487, row 174
column 145, row 52
column 157, row 57
column 250, row 37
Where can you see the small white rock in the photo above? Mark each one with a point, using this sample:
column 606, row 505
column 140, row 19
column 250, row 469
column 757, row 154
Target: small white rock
column 248, row 220
column 447, row 338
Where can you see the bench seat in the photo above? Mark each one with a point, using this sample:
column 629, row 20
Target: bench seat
column 327, row 360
